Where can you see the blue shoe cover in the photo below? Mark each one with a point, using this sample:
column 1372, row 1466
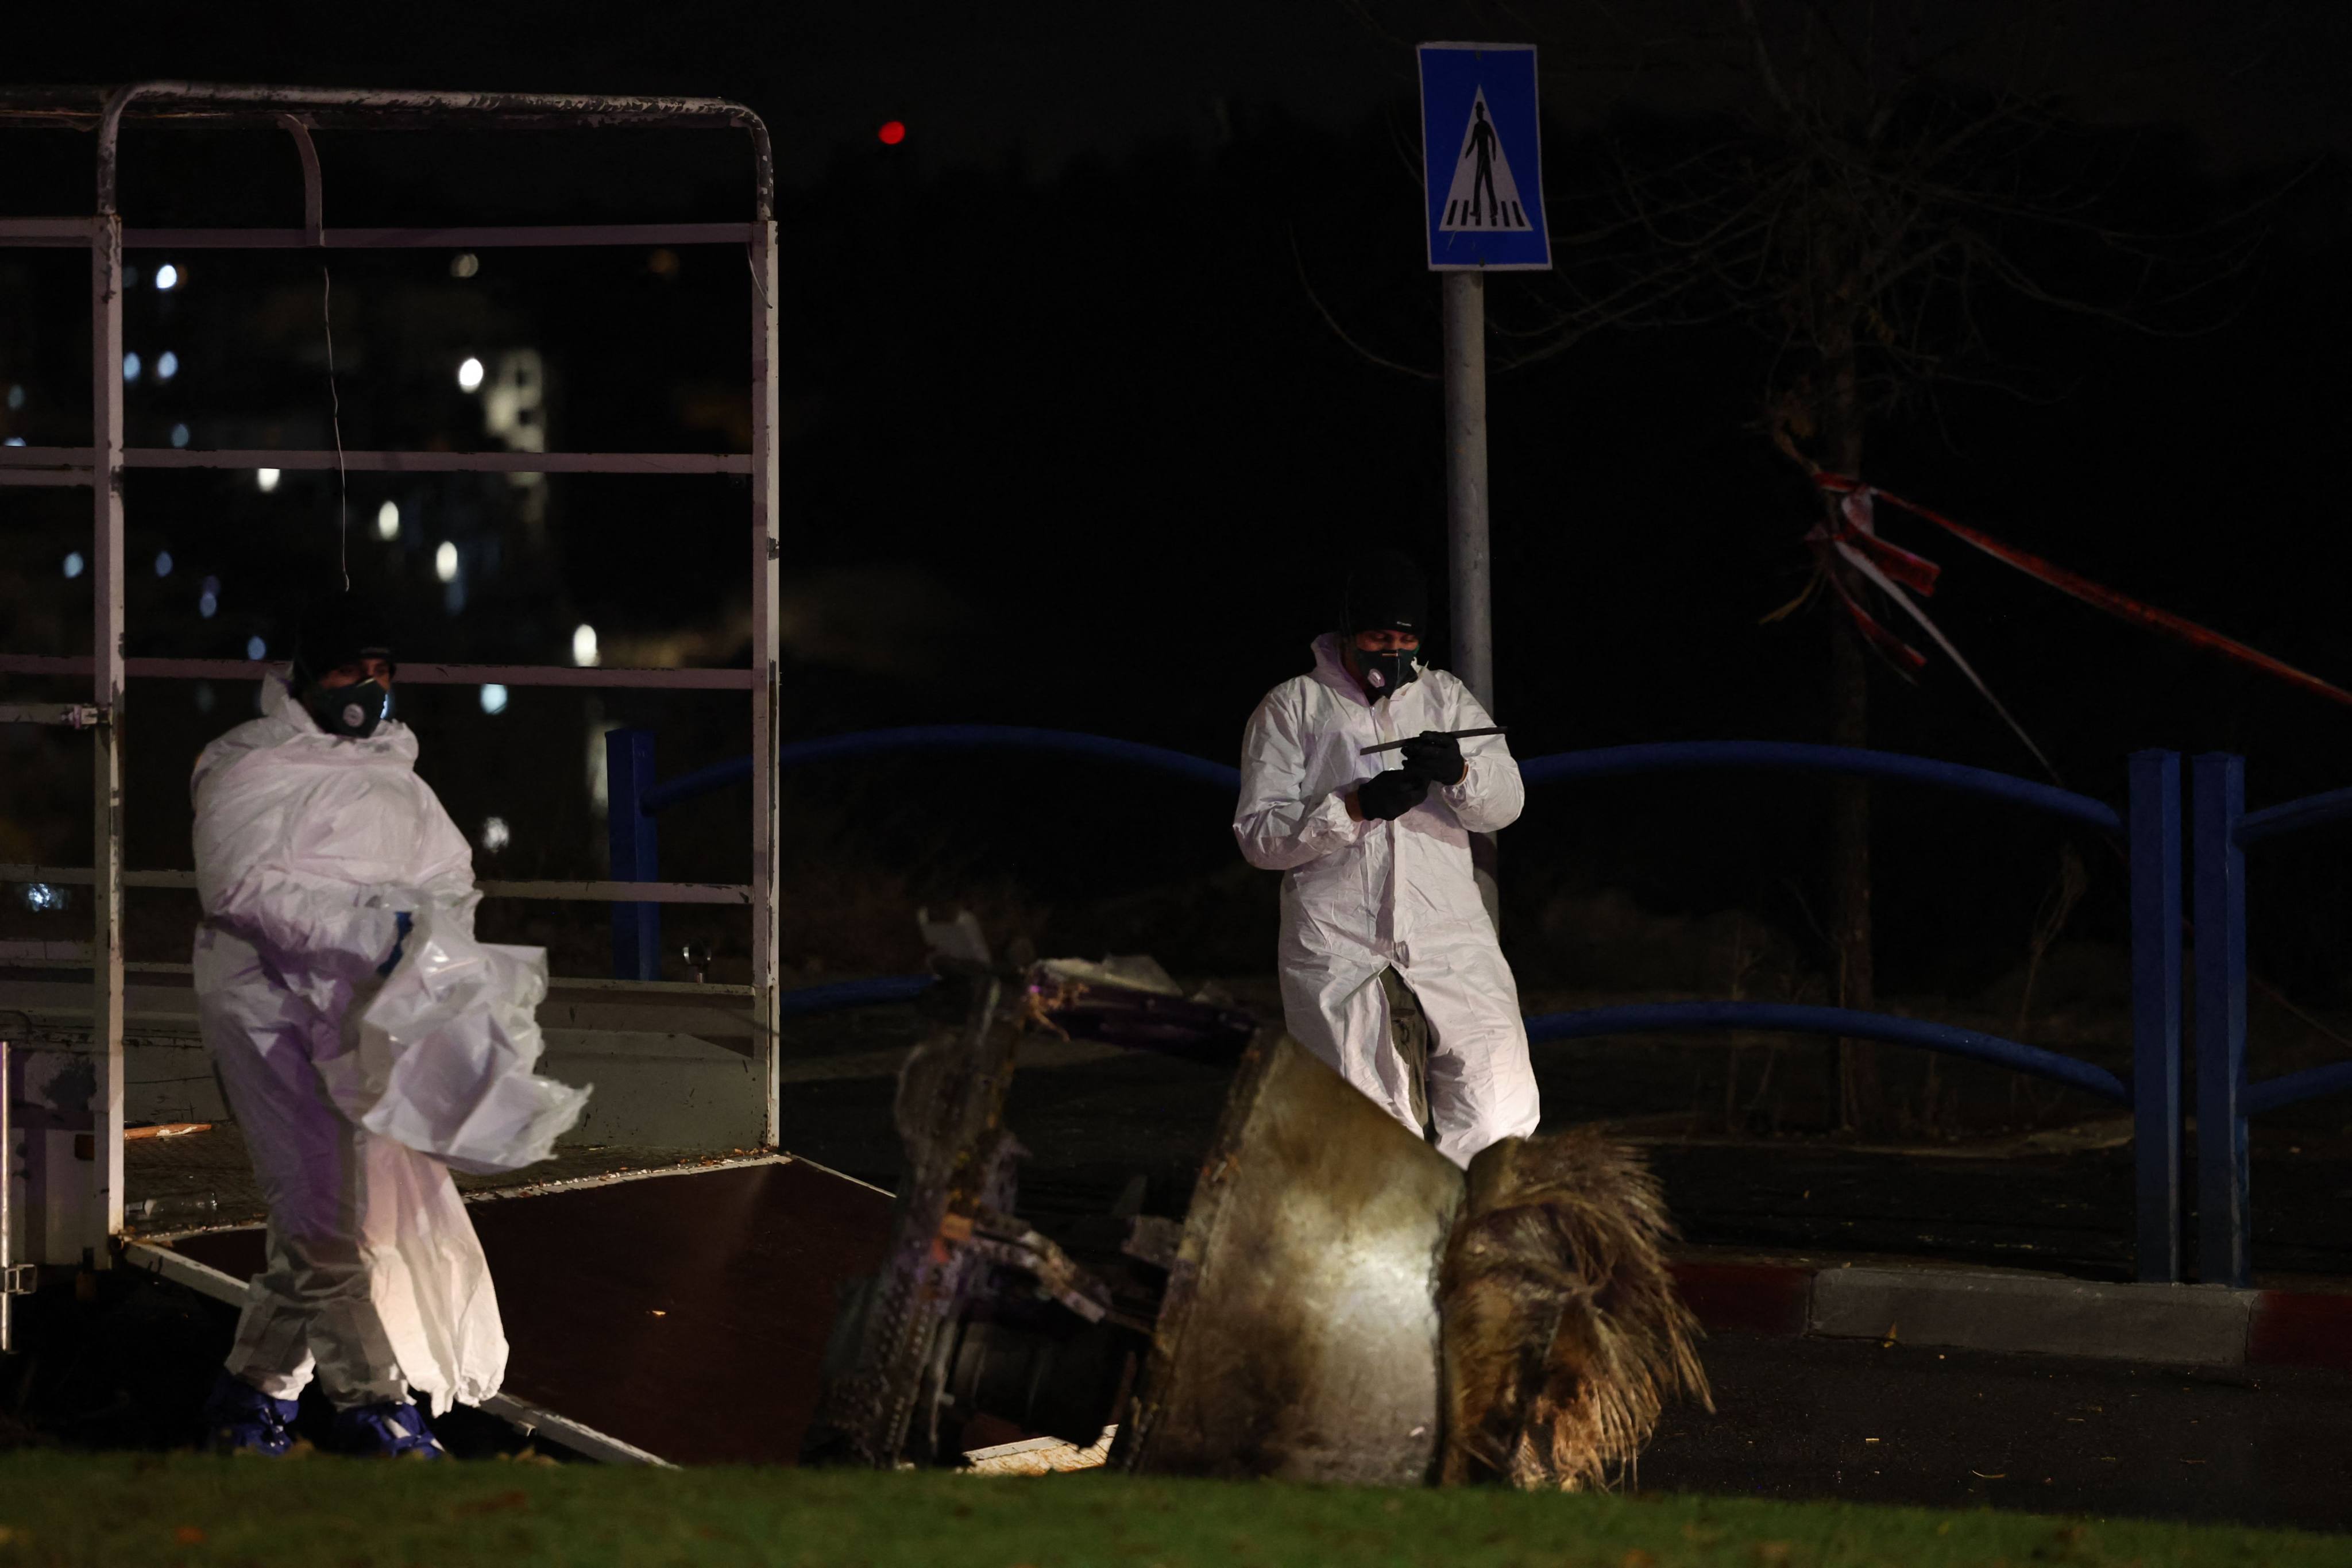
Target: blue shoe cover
column 241, row 1419
column 386, row 1431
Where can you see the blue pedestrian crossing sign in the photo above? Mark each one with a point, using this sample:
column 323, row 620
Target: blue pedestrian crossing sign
column 1482, row 158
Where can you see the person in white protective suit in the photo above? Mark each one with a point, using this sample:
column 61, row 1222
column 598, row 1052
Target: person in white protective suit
column 315, row 842
column 1375, row 857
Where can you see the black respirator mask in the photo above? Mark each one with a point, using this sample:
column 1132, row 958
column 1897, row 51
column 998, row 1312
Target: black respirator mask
column 350, row 710
column 1388, row 671
column 1385, row 592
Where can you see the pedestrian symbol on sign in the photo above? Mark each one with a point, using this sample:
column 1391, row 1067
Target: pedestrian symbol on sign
column 1482, row 159
column 1483, row 196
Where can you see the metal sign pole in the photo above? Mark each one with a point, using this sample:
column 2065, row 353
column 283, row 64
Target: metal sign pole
column 1469, row 567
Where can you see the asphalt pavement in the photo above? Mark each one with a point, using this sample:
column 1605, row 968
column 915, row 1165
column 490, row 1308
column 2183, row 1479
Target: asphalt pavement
column 1857, row 1421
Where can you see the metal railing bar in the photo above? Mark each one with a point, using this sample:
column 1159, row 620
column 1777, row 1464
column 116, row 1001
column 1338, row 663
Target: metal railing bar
column 623, row 892
column 58, row 234
column 46, row 231
column 83, row 877
column 581, row 892
column 2293, row 816
column 1668, row 1017
column 842, row 993
column 2292, row 1088
column 1801, row 757
column 67, row 459
column 594, row 678
column 200, row 100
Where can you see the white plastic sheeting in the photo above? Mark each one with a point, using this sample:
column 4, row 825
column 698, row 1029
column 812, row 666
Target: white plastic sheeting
column 445, row 1052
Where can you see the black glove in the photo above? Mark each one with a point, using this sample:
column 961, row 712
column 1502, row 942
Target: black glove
column 1389, row 796
column 1436, row 756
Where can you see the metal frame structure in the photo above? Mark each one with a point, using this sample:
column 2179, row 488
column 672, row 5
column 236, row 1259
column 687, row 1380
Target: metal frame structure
column 2226, row 1095
column 102, row 464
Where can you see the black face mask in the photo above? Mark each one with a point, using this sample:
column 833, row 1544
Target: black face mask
column 352, row 710
column 1386, row 673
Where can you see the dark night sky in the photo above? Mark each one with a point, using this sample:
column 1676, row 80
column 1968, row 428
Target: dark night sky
column 1065, row 432
column 1057, row 77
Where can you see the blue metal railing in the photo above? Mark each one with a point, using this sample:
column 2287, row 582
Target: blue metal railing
column 1676, row 1017
column 2223, row 829
column 2149, row 825
column 1790, row 756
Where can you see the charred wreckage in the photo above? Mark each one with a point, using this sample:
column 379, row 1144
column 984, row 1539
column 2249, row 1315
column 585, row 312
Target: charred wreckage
column 1338, row 1304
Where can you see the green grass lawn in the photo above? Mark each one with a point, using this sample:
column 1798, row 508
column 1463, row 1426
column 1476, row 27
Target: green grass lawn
column 115, row 1510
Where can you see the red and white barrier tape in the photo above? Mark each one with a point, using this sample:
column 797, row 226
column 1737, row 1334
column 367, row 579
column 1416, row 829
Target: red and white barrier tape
column 1893, row 570
column 2121, row 606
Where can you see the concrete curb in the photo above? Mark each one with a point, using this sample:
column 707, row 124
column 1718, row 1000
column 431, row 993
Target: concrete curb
column 2035, row 1314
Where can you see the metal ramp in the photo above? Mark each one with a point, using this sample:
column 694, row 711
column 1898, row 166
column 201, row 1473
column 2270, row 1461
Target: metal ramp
column 655, row 1318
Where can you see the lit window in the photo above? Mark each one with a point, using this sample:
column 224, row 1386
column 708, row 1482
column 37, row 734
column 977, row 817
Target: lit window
column 44, row 898
column 465, row 264
column 164, row 564
column 494, row 699
column 74, row 563
column 256, row 649
column 584, row 647
column 167, row 276
column 167, row 365
column 132, row 367
column 267, row 479
column 179, row 434
column 16, row 397
column 469, row 375
column 495, row 833
column 445, row 562
column 387, row 520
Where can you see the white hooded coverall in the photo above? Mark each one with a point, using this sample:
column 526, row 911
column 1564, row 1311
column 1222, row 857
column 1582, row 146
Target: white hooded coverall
column 307, row 845
column 1362, row 896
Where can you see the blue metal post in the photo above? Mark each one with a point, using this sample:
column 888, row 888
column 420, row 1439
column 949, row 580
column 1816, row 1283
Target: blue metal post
column 628, row 775
column 2223, row 1214
column 2154, row 820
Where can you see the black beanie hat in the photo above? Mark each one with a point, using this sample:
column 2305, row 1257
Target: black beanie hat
column 1386, row 591
column 336, row 630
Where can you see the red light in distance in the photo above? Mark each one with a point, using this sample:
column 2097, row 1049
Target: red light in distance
column 892, row 132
